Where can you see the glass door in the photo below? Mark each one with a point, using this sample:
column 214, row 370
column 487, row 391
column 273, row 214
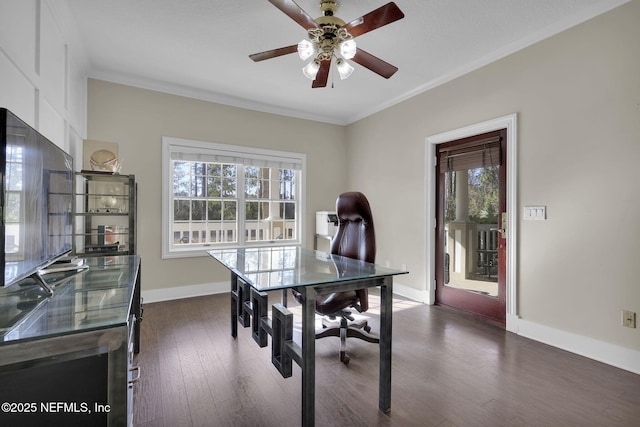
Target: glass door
column 470, row 248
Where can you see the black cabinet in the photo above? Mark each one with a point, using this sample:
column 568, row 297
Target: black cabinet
column 69, row 360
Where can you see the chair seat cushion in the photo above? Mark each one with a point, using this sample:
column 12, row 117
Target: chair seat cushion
column 330, row 304
column 333, row 303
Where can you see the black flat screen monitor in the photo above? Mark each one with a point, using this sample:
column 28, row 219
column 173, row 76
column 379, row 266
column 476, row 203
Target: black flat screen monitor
column 37, row 197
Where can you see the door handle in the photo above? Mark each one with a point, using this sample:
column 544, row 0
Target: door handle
column 503, row 227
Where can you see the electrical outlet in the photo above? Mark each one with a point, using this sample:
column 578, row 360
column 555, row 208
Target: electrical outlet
column 628, row 319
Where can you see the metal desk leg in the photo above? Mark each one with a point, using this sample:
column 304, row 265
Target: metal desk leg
column 234, row 305
column 308, row 355
column 386, row 310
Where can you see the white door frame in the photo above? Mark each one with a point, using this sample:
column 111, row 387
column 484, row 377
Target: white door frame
column 510, row 123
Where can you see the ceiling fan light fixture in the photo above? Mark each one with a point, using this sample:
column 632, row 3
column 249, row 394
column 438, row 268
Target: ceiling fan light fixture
column 306, row 49
column 344, row 68
column 331, row 39
column 348, row 49
column 311, row 69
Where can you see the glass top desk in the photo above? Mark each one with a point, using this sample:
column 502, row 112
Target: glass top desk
column 256, row 270
column 99, row 297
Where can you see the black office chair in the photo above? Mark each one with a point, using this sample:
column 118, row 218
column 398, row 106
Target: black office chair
column 355, row 238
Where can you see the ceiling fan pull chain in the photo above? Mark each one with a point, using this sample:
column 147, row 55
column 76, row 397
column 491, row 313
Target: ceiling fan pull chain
column 332, row 74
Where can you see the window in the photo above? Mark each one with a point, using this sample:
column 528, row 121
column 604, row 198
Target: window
column 220, row 196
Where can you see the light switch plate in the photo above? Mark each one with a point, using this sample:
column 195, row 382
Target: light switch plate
column 535, row 213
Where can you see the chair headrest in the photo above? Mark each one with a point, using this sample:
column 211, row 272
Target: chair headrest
column 353, row 206
column 355, row 237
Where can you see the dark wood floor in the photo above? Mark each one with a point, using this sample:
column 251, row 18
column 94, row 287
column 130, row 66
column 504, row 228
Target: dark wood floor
column 448, row 370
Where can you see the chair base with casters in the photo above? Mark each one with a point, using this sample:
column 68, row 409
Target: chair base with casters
column 346, row 327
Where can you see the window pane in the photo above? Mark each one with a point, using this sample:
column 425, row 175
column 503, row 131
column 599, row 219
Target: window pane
column 251, row 172
column 251, row 188
column 14, row 176
column 181, row 179
column 251, row 210
column 287, row 184
column 198, row 186
column 286, row 192
column 229, row 187
column 181, row 210
column 213, row 169
column 471, row 253
column 483, row 195
column 214, row 211
column 12, row 209
column 229, row 211
column 263, row 188
column 289, row 211
column 229, row 171
column 287, row 174
column 197, row 210
column 213, row 187
column 199, row 168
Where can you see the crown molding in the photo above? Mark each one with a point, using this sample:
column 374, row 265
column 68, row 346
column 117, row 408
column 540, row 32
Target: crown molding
column 208, row 96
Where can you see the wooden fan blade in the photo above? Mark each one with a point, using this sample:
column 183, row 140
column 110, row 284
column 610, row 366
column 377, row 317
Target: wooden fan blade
column 295, row 12
column 323, row 74
column 374, row 63
column 375, row 19
column 268, row 54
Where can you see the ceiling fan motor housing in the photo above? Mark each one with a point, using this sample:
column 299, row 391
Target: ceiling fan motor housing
column 329, row 7
column 330, row 32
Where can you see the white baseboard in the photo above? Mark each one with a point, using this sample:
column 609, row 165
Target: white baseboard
column 512, row 323
column 411, row 293
column 611, row 354
column 178, row 292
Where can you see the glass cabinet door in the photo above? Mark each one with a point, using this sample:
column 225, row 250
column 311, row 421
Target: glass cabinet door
column 104, row 214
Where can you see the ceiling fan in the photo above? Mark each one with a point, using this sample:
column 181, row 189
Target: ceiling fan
column 330, row 36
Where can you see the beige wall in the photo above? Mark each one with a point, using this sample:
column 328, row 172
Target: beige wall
column 577, row 96
column 137, row 119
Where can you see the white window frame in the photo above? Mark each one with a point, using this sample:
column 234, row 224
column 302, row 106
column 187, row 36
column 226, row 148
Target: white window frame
column 239, row 154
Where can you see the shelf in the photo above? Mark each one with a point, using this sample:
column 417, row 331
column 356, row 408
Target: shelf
column 104, row 210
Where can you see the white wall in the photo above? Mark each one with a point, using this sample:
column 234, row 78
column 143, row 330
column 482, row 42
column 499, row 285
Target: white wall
column 577, row 96
column 43, row 69
column 137, row 119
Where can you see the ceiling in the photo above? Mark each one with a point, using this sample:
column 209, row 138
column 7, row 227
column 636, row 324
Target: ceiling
column 200, row 48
